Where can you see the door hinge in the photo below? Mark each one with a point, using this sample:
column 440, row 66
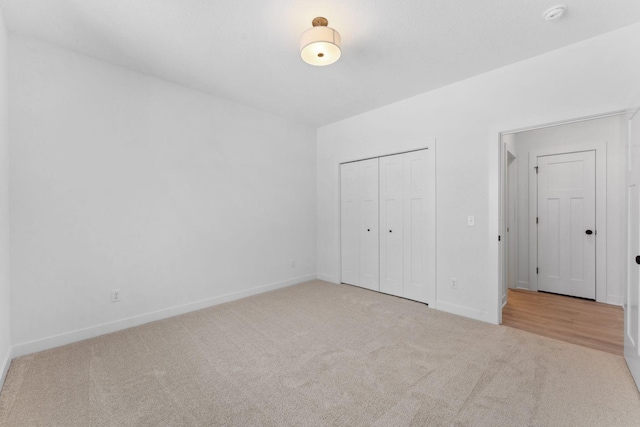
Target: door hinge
column 498, row 238
column 537, row 270
column 536, row 168
column 536, row 220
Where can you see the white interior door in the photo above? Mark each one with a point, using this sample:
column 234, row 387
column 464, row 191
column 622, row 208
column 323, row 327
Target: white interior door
column 631, row 326
column 349, row 223
column 368, row 227
column 359, row 223
column 416, row 200
column 566, row 224
column 391, row 224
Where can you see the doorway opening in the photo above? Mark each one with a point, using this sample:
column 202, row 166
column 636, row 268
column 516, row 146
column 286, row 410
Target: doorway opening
column 563, row 222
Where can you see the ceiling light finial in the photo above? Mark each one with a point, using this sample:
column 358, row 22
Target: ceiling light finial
column 320, row 45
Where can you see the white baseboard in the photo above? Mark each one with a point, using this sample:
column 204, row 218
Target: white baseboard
column 522, row 285
column 106, row 328
column 327, row 278
column 472, row 313
column 615, row 300
column 5, row 367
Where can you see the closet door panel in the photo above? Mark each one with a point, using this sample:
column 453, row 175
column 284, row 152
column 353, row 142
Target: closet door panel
column 349, row 223
column 391, row 227
column 369, row 246
column 415, row 219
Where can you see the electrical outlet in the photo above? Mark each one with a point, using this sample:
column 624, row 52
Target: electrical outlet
column 471, row 221
column 115, row 295
column 293, row 263
column 454, row 283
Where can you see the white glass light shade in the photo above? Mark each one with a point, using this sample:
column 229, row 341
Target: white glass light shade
column 320, row 46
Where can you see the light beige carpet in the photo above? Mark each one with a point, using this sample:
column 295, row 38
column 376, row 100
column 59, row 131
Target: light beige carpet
column 320, row 354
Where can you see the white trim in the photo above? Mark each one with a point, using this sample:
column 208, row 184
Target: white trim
column 432, row 224
column 566, row 121
column 495, row 222
column 338, row 278
column 523, row 285
column 106, row 328
column 510, row 252
column 600, row 148
column 633, row 362
column 395, row 153
column 615, row 300
column 4, row 368
column 327, row 278
column 460, row 310
column 533, row 226
column 516, row 224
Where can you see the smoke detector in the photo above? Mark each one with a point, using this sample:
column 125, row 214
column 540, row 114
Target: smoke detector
column 555, row 12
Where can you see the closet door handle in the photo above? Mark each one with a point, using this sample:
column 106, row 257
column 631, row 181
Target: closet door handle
column 589, row 232
column 390, row 231
column 368, row 229
column 638, row 259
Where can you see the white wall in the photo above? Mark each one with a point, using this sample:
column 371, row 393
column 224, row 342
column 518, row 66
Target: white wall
column 121, row 180
column 613, row 131
column 594, row 75
column 5, row 298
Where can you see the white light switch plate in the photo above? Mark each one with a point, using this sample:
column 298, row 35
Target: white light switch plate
column 471, row 220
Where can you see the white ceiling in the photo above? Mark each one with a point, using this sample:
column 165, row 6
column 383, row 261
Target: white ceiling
column 247, row 51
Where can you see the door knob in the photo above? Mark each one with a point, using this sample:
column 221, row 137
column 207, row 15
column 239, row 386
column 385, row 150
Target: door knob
column 589, row 232
column 638, row 259
column 390, row 231
column 368, row 229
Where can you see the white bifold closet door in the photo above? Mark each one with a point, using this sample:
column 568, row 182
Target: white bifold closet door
column 405, row 214
column 359, row 223
column 391, row 225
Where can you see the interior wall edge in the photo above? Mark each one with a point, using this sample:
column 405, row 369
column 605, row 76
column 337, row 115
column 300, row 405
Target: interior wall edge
column 5, row 279
column 4, row 368
column 47, row 343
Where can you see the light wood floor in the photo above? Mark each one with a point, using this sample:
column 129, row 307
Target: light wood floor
column 587, row 323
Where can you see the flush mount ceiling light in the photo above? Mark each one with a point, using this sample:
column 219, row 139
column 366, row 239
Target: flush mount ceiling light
column 320, row 45
column 555, row 12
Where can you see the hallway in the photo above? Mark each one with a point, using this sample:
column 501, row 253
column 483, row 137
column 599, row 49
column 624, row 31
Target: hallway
column 574, row 320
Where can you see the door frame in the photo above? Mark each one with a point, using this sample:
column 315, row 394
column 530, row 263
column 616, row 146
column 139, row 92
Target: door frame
column 600, row 149
column 511, row 253
column 496, row 197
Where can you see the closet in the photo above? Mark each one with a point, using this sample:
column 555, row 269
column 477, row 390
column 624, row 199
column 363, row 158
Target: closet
column 388, row 224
